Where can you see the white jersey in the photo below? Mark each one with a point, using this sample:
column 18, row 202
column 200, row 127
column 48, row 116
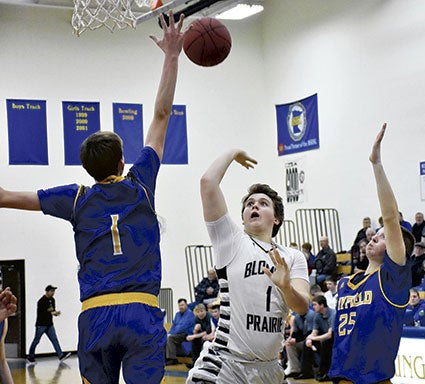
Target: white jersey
column 252, row 310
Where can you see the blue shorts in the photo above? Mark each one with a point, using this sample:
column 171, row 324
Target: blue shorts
column 133, row 334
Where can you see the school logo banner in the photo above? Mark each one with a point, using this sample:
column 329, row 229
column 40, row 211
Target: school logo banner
column 80, row 120
column 297, row 126
column 27, row 129
column 175, row 147
column 128, row 124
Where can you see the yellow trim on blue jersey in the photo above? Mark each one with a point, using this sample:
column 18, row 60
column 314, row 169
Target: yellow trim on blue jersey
column 78, row 194
column 111, row 179
column 385, row 296
column 118, row 299
column 355, row 286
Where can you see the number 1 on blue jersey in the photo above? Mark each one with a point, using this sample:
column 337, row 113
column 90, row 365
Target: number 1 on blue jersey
column 115, row 235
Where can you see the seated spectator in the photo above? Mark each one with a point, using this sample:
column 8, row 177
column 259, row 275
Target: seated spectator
column 325, row 263
column 370, row 232
column 203, row 330
column 320, row 340
column 206, row 291
column 306, row 250
column 415, row 311
column 293, row 245
column 361, row 234
column 215, row 313
column 301, row 327
column 404, row 223
column 315, row 290
column 182, row 327
column 417, row 261
column 418, row 229
column 381, row 224
column 362, row 262
column 331, row 294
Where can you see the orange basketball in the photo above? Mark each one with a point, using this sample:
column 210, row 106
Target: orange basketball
column 207, row 42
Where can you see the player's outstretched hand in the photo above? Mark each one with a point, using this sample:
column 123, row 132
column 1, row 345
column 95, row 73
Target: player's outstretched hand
column 280, row 277
column 375, row 156
column 8, row 303
column 243, row 159
column 172, row 39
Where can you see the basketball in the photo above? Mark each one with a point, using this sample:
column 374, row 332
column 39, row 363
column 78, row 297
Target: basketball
column 207, row 42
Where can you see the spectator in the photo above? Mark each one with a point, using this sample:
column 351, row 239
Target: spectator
column 381, row 223
column 362, row 261
column 415, row 311
column 204, row 329
column 325, row 261
column 301, row 327
column 418, row 228
column 320, row 340
column 361, row 234
column 417, row 264
column 215, row 313
column 306, row 250
column 206, row 291
column 315, row 290
column 46, row 309
column 370, row 232
column 182, row 327
column 404, row 223
column 293, row 245
column 331, row 294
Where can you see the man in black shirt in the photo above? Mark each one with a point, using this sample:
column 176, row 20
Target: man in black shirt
column 46, row 309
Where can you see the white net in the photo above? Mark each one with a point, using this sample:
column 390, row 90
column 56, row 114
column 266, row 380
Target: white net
column 112, row 14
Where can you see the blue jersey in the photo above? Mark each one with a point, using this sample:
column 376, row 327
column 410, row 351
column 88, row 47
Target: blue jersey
column 369, row 323
column 115, row 229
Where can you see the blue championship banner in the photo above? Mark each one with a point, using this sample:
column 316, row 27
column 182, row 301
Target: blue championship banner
column 128, row 124
column 297, row 126
column 80, row 120
column 175, row 147
column 27, row 128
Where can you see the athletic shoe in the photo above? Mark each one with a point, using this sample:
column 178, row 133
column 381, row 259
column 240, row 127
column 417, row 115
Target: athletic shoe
column 64, row 356
column 31, row 361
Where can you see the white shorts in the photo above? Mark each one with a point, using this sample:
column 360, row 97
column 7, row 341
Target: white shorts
column 215, row 367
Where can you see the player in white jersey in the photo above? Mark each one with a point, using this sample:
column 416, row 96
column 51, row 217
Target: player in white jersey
column 259, row 282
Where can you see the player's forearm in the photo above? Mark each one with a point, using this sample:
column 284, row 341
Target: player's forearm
column 19, row 200
column 387, row 200
column 296, row 300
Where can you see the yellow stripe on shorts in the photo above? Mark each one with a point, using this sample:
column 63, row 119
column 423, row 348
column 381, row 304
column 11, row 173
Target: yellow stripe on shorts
column 119, row 299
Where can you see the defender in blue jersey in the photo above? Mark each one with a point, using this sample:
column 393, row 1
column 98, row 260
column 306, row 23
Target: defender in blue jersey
column 371, row 304
column 117, row 242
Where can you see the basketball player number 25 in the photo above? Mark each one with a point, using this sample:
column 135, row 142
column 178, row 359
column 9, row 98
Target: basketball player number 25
column 116, row 242
column 346, row 323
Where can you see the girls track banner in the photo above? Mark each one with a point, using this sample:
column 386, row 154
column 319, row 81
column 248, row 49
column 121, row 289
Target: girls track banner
column 175, row 148
column 27, row 129
column 80, row 120
column 128, row 124
column 297, row 126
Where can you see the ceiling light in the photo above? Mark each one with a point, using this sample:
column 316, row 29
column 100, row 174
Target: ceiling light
column 241, row 11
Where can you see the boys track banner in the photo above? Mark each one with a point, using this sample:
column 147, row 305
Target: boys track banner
column 27, row 129
column 297, row 126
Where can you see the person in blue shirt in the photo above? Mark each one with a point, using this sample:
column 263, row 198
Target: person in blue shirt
column 182, row 326
column 415, row 311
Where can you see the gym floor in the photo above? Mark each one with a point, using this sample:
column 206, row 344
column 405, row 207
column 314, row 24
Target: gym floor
column 49, row 371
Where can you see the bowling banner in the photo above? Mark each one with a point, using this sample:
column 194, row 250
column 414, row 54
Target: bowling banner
column 128, row 124
column 297, row 126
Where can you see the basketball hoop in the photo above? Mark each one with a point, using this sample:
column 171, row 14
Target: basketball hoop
column 112, row 14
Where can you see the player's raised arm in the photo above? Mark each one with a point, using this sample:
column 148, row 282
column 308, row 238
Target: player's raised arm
column 389, row 209
column 213, row 202
column 171, row 43
column 19, row 200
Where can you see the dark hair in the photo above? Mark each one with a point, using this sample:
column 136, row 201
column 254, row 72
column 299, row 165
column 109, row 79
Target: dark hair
column 306, row 246
column 409, row 240
column 276, row 199
column 321, row 300
column 100, row 154
column 180, row 300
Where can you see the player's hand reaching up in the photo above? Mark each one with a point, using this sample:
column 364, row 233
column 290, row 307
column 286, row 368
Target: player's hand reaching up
column 172, row 40
column 375, row 156
column 243, row 159
column 280, row 277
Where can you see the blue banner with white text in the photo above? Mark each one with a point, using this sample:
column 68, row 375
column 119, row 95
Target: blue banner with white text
column 27, row 129
column 128, row 124
column 297, row 126
column 80, row 120
column 175, row 147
